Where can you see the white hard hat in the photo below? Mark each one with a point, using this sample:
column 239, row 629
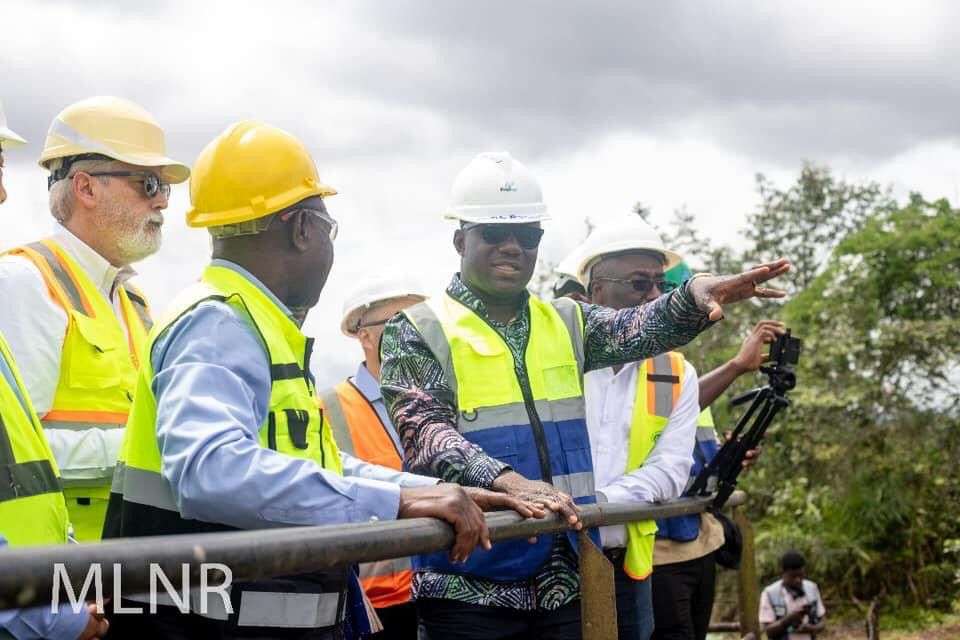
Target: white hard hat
column 112, row 127
column 570, row 265
column 495, row 188
column 373, row 291
column 8, row 139
column 630, row 233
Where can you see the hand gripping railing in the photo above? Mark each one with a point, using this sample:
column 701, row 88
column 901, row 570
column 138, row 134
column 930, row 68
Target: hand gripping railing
column 27, row 574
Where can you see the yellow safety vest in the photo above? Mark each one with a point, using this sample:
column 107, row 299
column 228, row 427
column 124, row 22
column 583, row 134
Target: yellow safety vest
column 534, row 422
column 32, row 508
column 658, row 389
column 98, row 368
column 142, row 503
column 292, row 426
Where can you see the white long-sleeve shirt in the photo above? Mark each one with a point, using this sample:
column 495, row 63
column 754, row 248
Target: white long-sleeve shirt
column 35, row 327
column 609, row 400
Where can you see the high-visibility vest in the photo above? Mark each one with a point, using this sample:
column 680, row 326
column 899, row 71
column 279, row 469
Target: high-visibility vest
column 534, row 422
column 687, row 528
column 32, row 508
column 658, row 389
column 358, row 431
column 142, row 503
column 98, row 367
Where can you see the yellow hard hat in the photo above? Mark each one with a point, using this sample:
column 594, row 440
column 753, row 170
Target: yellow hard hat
column 111, row 127
column 249, row 171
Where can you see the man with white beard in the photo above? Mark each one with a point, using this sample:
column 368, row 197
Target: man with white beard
column 74, row 322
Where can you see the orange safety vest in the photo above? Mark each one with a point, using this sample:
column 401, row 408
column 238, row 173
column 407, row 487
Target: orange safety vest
column 359, row 432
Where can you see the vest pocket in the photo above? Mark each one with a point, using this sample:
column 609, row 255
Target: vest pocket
column 297, row 421
column 561, row 381
column 92, row 355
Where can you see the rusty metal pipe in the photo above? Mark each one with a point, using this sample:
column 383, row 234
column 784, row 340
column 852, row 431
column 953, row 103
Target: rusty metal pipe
column 27, row 574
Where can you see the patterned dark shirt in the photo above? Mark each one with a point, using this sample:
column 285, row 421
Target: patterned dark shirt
column 421, row 404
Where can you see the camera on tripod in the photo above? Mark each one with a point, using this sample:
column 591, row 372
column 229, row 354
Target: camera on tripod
column 720, row 475
column 785, row 350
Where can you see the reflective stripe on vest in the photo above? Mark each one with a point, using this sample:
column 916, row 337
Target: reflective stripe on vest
column 32, row 507
column 99, row 359
column 517, row 416
column 658, row 389
column 358, row 431
column 687, row 528
column 143, row 503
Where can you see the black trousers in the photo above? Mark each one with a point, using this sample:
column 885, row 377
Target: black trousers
column 683, row 598
column 399, row 622
column 452, row 620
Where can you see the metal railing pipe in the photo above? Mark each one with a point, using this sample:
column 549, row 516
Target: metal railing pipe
column 27, row 573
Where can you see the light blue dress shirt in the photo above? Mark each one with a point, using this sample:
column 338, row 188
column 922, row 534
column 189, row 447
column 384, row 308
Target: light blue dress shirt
column 370, row 388
column 212, row 384
column 39, row 622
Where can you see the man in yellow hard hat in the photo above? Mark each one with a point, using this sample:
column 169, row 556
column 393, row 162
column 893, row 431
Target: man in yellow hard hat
column 225, row 431
column 32, row 508
column 74, row 321
column 355, row 411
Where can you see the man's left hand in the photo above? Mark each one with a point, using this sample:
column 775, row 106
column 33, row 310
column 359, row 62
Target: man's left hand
column 712, row 292
column 496, row 501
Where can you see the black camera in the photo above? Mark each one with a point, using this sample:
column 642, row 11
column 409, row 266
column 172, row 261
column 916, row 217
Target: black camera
column 785, row 351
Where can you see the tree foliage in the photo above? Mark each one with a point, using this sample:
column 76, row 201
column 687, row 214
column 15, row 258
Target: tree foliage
column 808, row 219
column 862, row 472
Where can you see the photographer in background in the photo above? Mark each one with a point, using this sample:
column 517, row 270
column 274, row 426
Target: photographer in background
column 791, row 608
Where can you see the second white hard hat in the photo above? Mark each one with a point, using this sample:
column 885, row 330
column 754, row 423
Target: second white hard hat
column 495, row 188
column 8, row 139
column 372, row 292
column 630, row 233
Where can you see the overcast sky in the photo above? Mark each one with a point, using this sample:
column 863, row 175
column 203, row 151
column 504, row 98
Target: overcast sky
column 607, row 102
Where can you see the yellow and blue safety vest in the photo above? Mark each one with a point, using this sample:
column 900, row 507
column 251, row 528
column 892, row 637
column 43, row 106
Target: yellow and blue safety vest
column 531, row 418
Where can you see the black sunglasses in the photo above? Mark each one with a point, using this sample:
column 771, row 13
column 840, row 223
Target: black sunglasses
column 642, row 285
column 152, row 185
column 494, row 234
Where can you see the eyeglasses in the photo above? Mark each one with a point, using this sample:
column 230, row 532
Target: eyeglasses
column 152, row 185
column 494, row 234
column 323, row 215
column 374, row 323
column 642, row 285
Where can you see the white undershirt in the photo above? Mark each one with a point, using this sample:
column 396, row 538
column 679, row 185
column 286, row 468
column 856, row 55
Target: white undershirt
column 35, row 327
column 609, row 400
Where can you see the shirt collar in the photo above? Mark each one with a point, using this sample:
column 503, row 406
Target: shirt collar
column 367, row 384
column 459, row 291
column 103, row 274
column 233, row 266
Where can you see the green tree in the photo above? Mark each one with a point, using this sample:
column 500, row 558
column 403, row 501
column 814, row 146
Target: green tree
column 808, row 219
column 861, row 472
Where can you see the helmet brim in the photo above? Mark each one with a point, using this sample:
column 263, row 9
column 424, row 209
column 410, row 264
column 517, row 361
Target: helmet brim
column 10, row 139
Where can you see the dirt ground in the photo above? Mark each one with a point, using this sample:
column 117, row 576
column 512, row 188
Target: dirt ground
column 949, row 631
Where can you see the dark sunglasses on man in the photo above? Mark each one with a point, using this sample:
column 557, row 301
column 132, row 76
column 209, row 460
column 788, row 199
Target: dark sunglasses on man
column 642, row 284
column 493, row 234
column 152, row 185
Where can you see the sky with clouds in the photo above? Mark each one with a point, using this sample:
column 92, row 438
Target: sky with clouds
column 607, row 102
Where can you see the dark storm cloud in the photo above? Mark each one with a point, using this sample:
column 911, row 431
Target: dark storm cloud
column 540, row 78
